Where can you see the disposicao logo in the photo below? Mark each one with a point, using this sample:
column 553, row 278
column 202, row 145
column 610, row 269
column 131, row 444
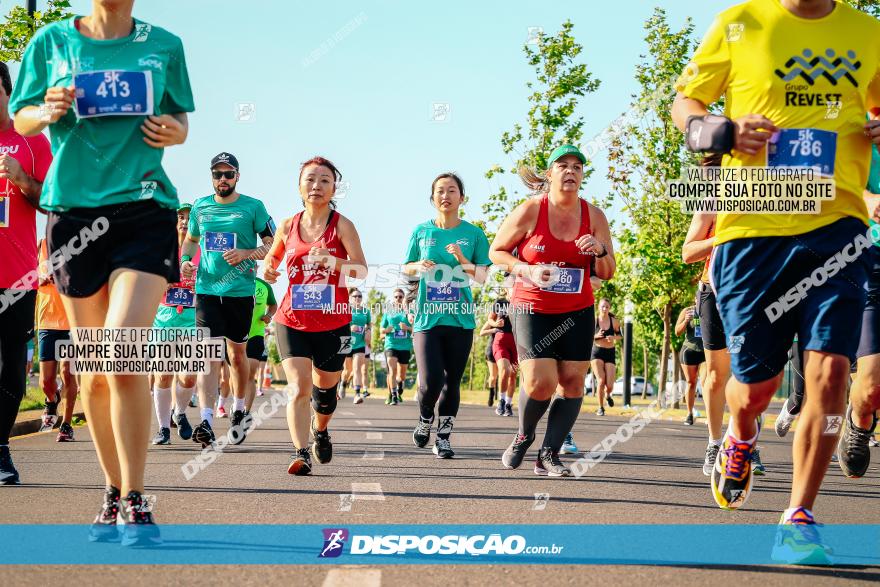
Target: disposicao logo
column 334, row 541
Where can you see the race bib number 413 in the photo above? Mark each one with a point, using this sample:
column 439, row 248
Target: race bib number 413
column 114, row 93
column 803, row 147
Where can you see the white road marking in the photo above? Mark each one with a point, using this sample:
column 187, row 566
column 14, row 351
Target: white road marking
column 374, row 436
column 367, row 492
column 346, row 413
column 350, row 577
column 363, row 423
column 373, row 454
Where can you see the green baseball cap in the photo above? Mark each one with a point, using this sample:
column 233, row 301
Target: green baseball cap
column 184, row 206
column 564, row 150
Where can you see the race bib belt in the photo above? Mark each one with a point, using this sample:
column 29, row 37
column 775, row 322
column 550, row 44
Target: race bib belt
column 311, row 297
column 219, row 242
column 114, row 93
column 803, row 147
column 180, row 296
column 570, row 281
column 443, row 292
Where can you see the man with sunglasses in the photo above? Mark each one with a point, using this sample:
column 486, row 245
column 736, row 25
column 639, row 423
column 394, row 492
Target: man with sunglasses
column 229, row 227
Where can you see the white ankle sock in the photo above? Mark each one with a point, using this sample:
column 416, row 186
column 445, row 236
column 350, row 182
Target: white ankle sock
column 162, row 403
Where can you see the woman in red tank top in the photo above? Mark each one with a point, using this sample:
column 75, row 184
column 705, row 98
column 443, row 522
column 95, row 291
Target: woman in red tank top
column 547, row 244
column 312, row 323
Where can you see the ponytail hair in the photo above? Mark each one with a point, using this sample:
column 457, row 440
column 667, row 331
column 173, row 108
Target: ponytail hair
column 534, row 180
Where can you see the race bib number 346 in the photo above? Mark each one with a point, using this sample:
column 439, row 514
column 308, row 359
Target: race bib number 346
column 114, row 93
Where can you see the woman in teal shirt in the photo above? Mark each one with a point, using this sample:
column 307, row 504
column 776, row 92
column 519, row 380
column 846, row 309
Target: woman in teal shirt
column 397, row 328
column 110, row 111
column 446, row 253
column 356, row 364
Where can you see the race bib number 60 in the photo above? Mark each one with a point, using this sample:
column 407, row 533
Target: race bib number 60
column 570, row 281
column 114, row 93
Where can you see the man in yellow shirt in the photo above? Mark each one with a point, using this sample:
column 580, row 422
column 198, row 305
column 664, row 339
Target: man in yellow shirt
column 797, row 77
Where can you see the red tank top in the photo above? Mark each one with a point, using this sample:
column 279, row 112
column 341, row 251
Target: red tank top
column 316, row 299
column 704, row 276
column 573, row 291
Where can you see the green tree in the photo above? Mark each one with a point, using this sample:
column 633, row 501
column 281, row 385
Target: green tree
column 560, row 80
column 18, row 28
column 871, row 7
column 645, row 153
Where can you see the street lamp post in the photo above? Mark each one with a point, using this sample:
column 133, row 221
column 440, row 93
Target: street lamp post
column 627, row 351
column 31, row 7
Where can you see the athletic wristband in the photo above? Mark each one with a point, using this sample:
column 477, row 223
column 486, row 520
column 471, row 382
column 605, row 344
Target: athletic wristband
column 710, row 134
column 185, row 258
column 604, row 251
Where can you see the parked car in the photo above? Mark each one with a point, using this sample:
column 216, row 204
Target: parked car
column 637, row 384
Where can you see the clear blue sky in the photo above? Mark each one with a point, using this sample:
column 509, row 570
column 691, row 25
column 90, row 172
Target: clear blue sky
column 366, row 102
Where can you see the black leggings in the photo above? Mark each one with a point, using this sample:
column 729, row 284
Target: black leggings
column 441, row 353
column 16, row 327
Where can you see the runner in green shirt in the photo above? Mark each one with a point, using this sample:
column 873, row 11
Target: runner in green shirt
column 356, row 364
column 397, row 328
column 113, row 92
column 232, row 231
column 264, row 308
column 446, row 253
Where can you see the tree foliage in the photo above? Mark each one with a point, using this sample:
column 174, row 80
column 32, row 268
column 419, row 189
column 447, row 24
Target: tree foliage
column 19, row 27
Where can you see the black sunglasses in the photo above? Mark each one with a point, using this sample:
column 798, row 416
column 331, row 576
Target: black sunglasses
column 223, row 174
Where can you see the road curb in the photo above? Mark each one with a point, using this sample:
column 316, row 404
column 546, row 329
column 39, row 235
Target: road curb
column 30, row 426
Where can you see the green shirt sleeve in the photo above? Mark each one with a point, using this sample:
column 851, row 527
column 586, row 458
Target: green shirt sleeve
column 178, row 95
column 874, row 175
column 193, row 227
column 31, row 85
column 413, row 251
column 270, row 300
column 481, row 248
column 261, row 218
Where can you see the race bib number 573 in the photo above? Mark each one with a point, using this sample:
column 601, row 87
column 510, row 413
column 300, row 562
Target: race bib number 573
column 114, row 93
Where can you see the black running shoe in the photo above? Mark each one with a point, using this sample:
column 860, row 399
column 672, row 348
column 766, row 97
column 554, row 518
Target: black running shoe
column 163, row 436
column 422, row 434
column 193, row 401
column 610, row 401
column 322, row 448
column 443, row 449
column 184, row 428
column 237, row 432
column 139, row 529
column 301, row 464
column 491, row 397
column 49, row 417
column 852, row 448
column 551, row 464
column 8, row 473
column 65, row 433
column 516, row 452
column 689, row 420
column 508, row 409
column 395, row 399
column 203, row 434
column 104, row 528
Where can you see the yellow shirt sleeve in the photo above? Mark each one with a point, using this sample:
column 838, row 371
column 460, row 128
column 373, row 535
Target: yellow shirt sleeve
column 707, row 75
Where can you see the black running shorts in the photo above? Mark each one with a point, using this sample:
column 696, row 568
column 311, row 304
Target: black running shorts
column 564, row 337
column 225, row 316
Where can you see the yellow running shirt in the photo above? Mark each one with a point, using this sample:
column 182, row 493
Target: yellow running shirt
column 818, row 76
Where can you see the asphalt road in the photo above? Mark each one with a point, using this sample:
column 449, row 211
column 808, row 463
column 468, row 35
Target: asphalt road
column 653, row 478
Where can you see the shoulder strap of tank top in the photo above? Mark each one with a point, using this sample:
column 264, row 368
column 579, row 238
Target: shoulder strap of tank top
column 330, row 217
column 542, row 226
column 585, row 216
column 294, row 230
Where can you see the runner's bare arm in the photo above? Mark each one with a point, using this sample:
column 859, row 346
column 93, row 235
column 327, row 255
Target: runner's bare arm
column 517, row 226
column 166, row 130
column 606, row 265
column 696, row 244
column 32, row 120
column 276, row 252
column 356, row 265
column 30, row 188
column 681, row 324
